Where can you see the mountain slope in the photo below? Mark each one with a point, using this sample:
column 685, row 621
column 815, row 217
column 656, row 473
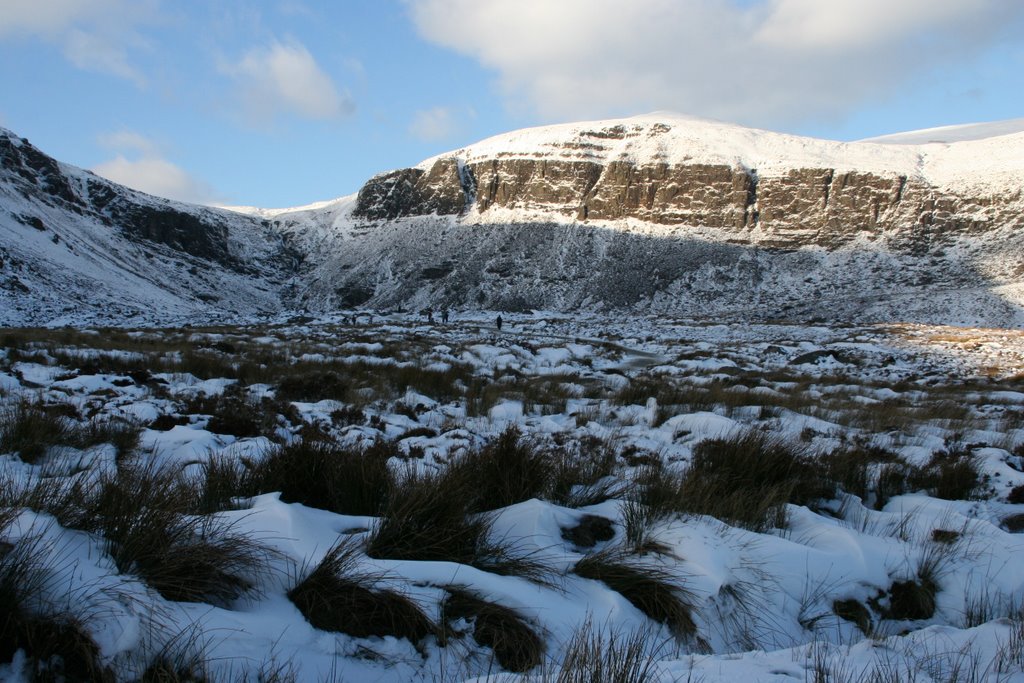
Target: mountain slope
column 657, row 213
column 75, row 247
column 669, row 214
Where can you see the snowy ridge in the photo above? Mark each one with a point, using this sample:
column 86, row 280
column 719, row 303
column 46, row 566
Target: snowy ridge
column 663, row 137
column 948, row 134
column 77, row 247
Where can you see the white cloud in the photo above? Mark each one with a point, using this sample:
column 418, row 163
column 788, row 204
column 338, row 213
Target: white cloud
column 148, row 171
column 93, row 52
column 94, row 35
column 128, row 141
column 768, row 62
column 284, row 77
column 432, row 125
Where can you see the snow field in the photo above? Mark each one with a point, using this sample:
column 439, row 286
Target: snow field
column 892, row 581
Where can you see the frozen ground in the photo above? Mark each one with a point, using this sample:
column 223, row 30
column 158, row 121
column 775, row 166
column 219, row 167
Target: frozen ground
column 818, row 592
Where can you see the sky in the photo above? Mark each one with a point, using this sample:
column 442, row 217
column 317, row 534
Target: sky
column 287, row 102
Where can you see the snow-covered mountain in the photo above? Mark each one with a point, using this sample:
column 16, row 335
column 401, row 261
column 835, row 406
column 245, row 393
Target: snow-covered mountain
column 76, row 248
column 658, row 213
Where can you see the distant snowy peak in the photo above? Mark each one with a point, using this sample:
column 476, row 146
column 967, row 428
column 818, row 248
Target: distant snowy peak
column 949, row 134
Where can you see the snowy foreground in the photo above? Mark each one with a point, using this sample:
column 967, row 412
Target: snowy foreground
column 900, row 564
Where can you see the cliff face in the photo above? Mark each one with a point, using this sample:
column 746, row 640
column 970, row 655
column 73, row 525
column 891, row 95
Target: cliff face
column 590, row 178
column 804, row 207
column 413, row 192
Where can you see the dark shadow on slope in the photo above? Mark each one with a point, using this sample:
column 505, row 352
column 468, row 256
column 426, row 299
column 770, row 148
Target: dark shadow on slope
column 431, row 261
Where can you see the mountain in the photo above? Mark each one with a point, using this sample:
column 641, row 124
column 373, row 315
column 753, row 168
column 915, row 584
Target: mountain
column 76, row 248
column 657, row 213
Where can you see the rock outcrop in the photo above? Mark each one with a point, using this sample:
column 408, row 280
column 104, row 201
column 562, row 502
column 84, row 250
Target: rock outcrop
column 413, row 192
column 582, row 180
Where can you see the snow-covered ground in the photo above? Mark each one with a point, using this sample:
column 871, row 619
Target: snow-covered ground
column 770, row 603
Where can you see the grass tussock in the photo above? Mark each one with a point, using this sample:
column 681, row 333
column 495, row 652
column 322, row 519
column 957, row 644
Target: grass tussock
column 428, row 516
column 951, row 475
column 222, row 479
column 31, row 429
column 147, row 519
column 55, row 642
column 854, row 469
column 746, row 480
column 582, row 472
column 143, row 513
column 515, row 644
column 323, row 475
column 589, row 531
column 506, row 471
column 654, row 591
column 609, row 657
column 337, row 596
column 431, row 516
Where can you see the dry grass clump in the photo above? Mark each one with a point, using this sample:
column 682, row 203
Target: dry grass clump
column 853, row 611
column 428, row 516
column 431, row 516
column 220, row 482
column 650, row 588
column 55, row 642
column 912, row 599
column 323, row 475
column 30, row 429
column 607, row 657
column 312, row 386
column 582, row 472
column 230, row 414
column 515, row 644
column 589, row 531
column 145, row 516
column 337, row 596
column 745, row 480
column 951, row 475
column 853, row 469
column 506, row 471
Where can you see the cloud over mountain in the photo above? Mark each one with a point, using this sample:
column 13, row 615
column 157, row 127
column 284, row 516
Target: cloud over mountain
column 765, row 62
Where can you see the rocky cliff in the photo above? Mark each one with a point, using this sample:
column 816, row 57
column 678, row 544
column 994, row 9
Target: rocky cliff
column 584, row 178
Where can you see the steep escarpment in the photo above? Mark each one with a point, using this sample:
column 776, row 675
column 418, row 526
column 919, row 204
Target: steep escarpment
column 414, row 192
column 782, row 206
column 672, row 214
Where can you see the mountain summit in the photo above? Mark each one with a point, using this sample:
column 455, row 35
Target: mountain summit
column 657, row 213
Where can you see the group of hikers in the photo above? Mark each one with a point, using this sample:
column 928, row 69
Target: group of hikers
column 429, row 312
column 445, row 317
column 354, row 318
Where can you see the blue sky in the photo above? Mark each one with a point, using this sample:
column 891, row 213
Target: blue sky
column 286, row 102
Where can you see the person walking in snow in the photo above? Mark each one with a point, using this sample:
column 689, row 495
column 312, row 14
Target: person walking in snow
column 498, row 323
column 444, row 315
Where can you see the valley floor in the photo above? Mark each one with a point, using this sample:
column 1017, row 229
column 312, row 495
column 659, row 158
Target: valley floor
column 568, row 498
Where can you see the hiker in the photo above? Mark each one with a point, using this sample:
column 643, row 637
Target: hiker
column 444, row 315
column 498, row 323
